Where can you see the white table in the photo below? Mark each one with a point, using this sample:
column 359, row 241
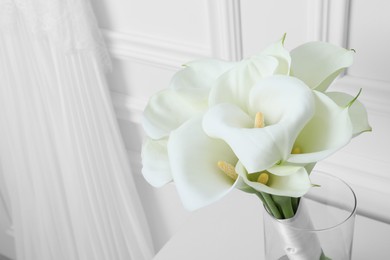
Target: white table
column 232, row 229
column 226, row 230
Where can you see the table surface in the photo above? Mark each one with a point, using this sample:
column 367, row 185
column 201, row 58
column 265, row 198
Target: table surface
column 215, row 233
column 229, row 230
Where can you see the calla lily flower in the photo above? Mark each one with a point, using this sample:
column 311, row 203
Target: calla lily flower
column 338, row 118
column 319, row 63
column 194, row 158
column 295, row 184
column 234, row 87
column 186, row 97
column 356, row 110
column 286, row 104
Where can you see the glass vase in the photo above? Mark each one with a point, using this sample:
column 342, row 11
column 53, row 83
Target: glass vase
column 322, row 227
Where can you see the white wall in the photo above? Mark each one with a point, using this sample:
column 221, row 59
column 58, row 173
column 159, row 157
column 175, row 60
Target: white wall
column 150, row 39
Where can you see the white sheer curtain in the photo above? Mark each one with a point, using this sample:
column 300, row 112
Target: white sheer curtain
column 64, row 164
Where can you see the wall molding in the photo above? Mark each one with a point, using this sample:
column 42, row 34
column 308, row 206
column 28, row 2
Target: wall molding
column 225, row 41
column 225, row 29
column 338, row 22
column 328, row 20
column 151, row 50
column 317, row 13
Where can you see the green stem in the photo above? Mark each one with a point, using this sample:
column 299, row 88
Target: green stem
column 324, row 257
column 261, row 198
column 295, row 203
column 285, row 205
column 271, row 205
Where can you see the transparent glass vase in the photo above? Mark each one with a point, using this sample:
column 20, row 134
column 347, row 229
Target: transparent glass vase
column 322, row 228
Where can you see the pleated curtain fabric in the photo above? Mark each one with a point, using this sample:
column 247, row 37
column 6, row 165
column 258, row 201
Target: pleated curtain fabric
column 66, row 171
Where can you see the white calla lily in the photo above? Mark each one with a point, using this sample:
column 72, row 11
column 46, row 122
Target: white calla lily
column 254, row 147
column 234, row 87
column 155, row 162
column 187, row 96
column 284, row 169
column 329, row 130
column 200, row 73
column 194, row 158
column 319, row 63
column 286, row 104
column 295, row 184
column 278, row 51
column 356, row 110
column 170, row 108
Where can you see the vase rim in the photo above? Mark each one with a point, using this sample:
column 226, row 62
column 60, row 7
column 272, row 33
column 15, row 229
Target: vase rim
column 352, row 212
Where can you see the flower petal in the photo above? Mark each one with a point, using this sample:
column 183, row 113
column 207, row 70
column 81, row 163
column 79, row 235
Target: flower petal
column 256, row 148
column 357, row 111
column 193, row 157
column 156, row 169
column 234, row 86
column 170, row 108
column 282, row 99
column 329, row 130
column 284, row 169
column 278, row 51
column 200, row 73
column 292, row 185
column 319, row 63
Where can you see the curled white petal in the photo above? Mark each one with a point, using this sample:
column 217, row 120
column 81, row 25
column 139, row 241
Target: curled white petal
column 155, row 163
column 255, row 147
column 234, row 86
column 200, row 73
column 329, row 130
column 356, row 110
column 170, row 108
column 284, row 169
column 282, row 99
column 193, row 158
column 186, row 97
column 319, row 63
column 278, row 51
column 291, row 185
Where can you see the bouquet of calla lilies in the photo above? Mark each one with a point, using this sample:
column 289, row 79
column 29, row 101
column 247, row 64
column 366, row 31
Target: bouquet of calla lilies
column 258, row 125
